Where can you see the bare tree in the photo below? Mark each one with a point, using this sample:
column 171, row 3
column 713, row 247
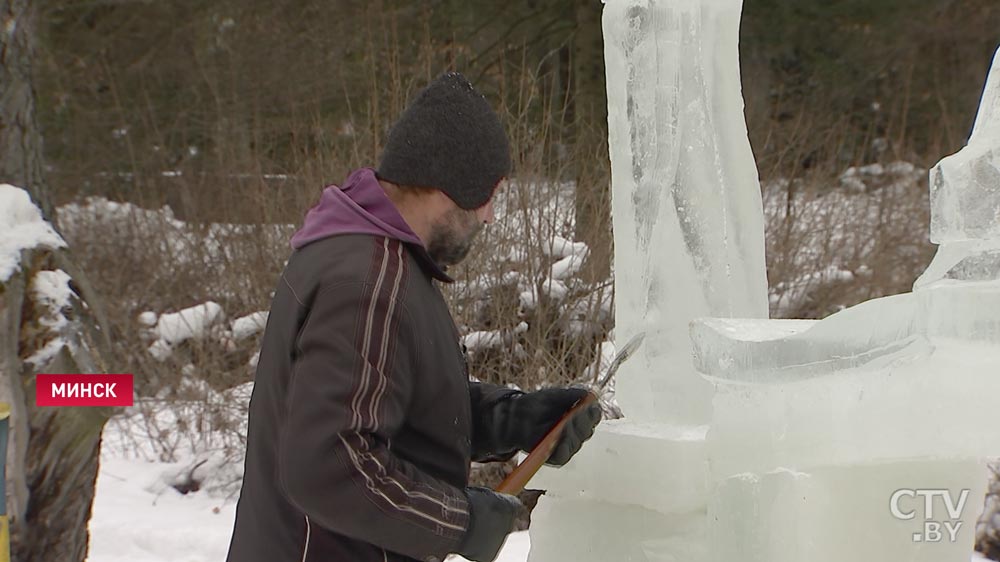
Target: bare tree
column 590, row 118
column 53, row 463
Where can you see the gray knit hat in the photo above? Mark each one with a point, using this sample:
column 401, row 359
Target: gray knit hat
column 448, row 138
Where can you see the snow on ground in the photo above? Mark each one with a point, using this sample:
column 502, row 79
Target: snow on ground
column 189, row 323
column 139, row 517
column 249, row 325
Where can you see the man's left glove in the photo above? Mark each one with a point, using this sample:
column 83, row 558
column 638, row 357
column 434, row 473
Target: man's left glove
column 522, row 419
column 491, row 519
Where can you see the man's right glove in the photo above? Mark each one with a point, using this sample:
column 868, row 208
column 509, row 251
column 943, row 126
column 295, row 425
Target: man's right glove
column 532, row 415
column 491, row 519
column 514, row 420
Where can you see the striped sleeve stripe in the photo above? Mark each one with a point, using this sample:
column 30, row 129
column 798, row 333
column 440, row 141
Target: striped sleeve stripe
column 368, row 339
column 368, row 456
column 389, row 337
column 381, row 320
column 377, row 483
column 377, row 328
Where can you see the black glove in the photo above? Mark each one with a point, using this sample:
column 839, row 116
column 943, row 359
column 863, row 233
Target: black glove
column 491, row 519
column 532, row 415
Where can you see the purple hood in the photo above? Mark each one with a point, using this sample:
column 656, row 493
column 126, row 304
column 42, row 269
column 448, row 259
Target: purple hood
column 361, row 206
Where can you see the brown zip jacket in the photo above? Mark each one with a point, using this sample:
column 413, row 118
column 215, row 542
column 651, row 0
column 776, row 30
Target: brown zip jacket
column 362, row 415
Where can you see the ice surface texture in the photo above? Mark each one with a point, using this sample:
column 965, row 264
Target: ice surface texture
column 965, row 187
column 791, row 516
column 689, row 236
column 658, row 467
column 580, row 530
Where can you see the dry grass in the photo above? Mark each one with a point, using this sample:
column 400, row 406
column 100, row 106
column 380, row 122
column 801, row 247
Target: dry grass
column 833, row 242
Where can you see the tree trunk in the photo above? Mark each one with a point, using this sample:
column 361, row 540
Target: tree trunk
column 53, row 452
column 590, row 133
column 20, row 142
column 53, row 459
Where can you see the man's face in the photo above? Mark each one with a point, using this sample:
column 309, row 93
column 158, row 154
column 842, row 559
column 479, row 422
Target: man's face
column 452, row 235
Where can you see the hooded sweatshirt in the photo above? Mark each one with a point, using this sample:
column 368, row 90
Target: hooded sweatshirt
column 362, row 421
column 361, row 206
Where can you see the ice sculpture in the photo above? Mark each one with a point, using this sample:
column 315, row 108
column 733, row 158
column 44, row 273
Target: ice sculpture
column 859, row 437
column 862, row 436
column 686, row 201
column 965, row 200
column 689, row 242
column 965, row 187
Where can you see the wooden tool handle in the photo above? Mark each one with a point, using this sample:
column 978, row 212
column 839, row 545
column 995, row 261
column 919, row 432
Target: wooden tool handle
column 518, row 479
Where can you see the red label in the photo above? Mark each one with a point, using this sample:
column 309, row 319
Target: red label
column 83, row 390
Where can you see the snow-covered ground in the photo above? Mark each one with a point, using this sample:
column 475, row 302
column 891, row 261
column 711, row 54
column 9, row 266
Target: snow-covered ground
column 139, row 517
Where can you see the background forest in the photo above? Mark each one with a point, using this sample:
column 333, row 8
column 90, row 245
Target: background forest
column 240, row 111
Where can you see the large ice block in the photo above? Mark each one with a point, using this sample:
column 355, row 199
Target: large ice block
column 875, row 332
column 934, row 406
column 578, row 530
column 689, row 242
column 966, row 260
column 816, row 425
column 846, row 512
column 655, row 466
column 965, row 187
column 686, row 200
column 962, row 310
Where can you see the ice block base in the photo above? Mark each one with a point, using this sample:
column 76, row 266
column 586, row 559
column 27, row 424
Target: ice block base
column 837, row 513
column 577, row 530
column 657, row 466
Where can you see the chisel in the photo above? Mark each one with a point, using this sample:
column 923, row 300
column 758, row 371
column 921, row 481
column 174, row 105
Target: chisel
column 518, row 479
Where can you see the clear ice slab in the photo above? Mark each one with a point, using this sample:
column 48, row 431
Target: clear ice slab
column 614, row 532
column 934, row 406
column 689, row 242
column 614, row 467
column 688, row 221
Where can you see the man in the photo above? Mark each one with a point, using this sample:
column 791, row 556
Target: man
column 363, row 421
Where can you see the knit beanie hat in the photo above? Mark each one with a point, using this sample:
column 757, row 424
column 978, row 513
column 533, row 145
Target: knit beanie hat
column 450, row 139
